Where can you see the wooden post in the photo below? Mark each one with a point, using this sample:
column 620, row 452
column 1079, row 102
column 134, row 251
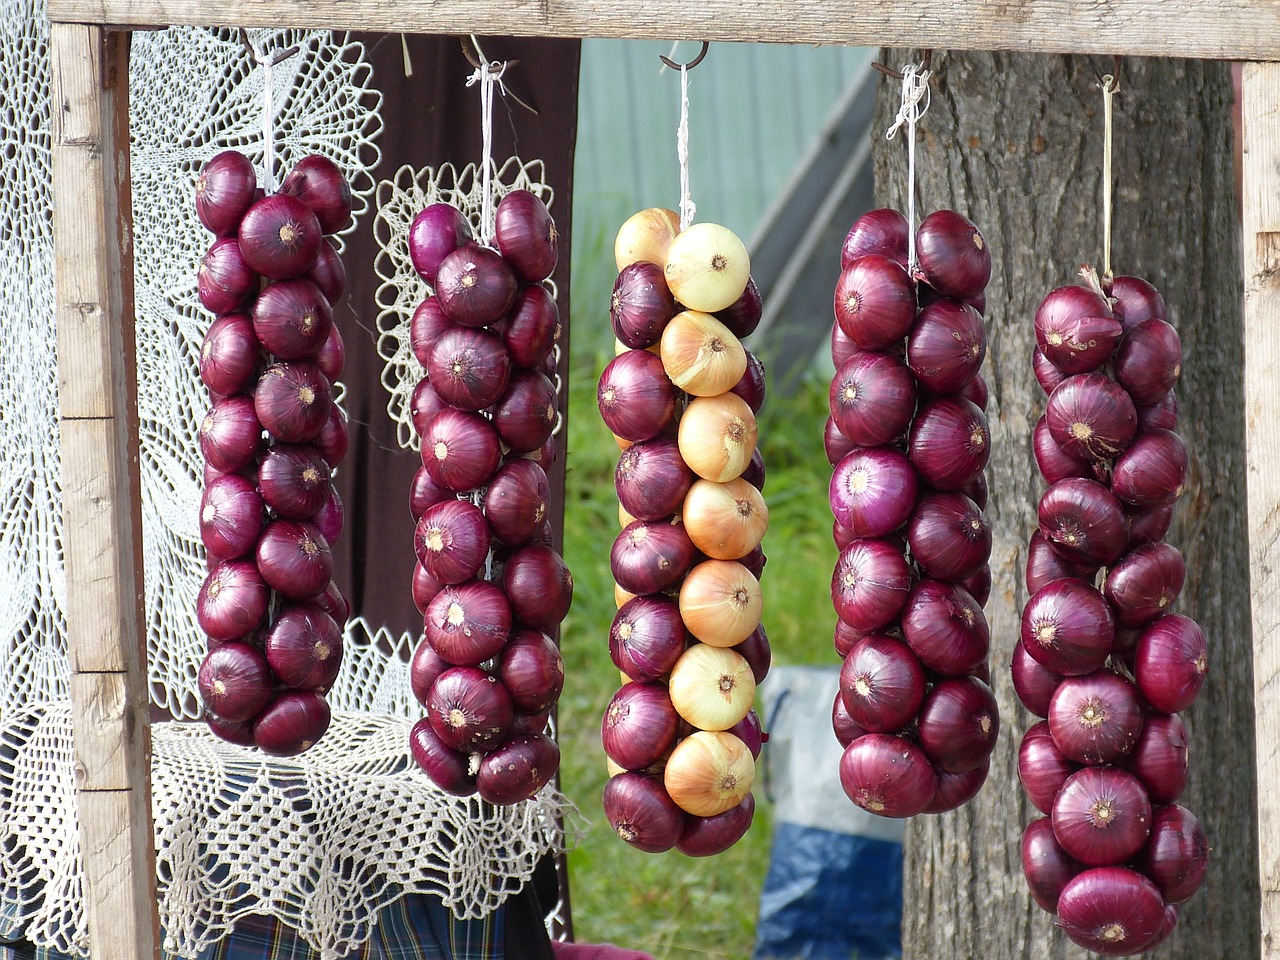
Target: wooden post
column 102, row 524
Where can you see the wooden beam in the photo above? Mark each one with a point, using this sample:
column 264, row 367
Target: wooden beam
column 102, row 524
column 1261, row 256
column 1222, row 29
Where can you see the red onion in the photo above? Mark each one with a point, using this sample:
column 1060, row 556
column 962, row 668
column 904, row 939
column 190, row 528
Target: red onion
column 232, row 600
column 1171, row 663
column 707, row 836
column 1152, row 472
column 225, row 190
column 842, row 348
column 525, row 415
column 949, row 537
column 1096, row 718
column 235, row 682
column 280, row 237
column 647, row 637
column 1176, row 855
column 1145, row 583
column 976, row 392
column 1161, row 415
column 531, row 328
column 330, row 276
column 756, row 651
column 954, row 790
column 1149, row 361
column 946, row 346
column 515, row 503
column 882, row 684
column 229, row 354
column 332, row 602
column 958, row 724
column 526, row 235
column 1045, row 564
column 332, row 440
column 1047, row 868
column 516, row 769
column 475, row 286
column 292, row 723
column 835, row 443
column 331, row 516
column 639, row 726
column 1047, row 375
column 873, row 490
column 436, row 232
column 1136, row 300
column 424, row 666
column 526, row 723
column 950, row 443
column 945, row 627
column 427, row 325
column 424, row 404
column 539, row 586
column 1075, row 330
column 751, row 387
column 650, row 557
column 317, row 182
column 294, row 480
column 469, row 709
column 452, row 541
column 744, row 314
column 1055, row 463
column 1159, row 758
column 652, row 479
column 748, row 730
column 230, row 516
column 1033, row 682
column 641, row 305
column 1101, row 816
column 1149, row 526
column 292, row 400
column 1084, row 522
column 292, row 319
column 294, row 558
column 872, row 398
column 239, row 732
column 978, row 584
column 447, row 768
column 1042, row 768
column 882, row 231
column 1068, row 627
column 886, row 775
column 224, row 281
column 953, row 255
column 870, row 584
column 230, row 434
column 1091, row 416
column 304, row 648
column 469, row 368
column 976, row 490
column 875, row 302
column 424, row 588
column 641, row 812
column 636, row 399
column 842, row 724
column 531, row 669
column 468, row 623
column 460, row 450
column 1112, row 911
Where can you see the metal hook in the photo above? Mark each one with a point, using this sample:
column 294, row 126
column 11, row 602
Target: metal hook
column 691, row 64
column 484, row 63
column 279, row 58
column 1111, row 82
column 890, row 72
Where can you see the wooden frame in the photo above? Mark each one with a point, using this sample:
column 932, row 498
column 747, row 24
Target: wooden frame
column 95, row 324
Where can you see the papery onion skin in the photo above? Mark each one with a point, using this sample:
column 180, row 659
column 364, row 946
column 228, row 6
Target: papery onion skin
column 870, row 583
column 1162, row 415
column 460, row 450
column 954, row 790
column 650, row 557
column 872, row 398
column 639, row 725
column 280, row 237
column 641, row 812
column 884, row 231
column 1152, row 472
column 1068, row 627
column 875, row 302
column 1135, row 300
column 235, row 681
column 844, row 727
column 700, row 355
column 516, row 769
column 469, row 709
column 292, row 723
column 958, row 724
column 292, row 319
column 1101, row 816
column 1145, row 583
column 1096, row 718
column 475, row 286
column 229, row 354
column 330, row 276
column 531, row 327
column 516, row 501
column 751, row 386
column 437, row 230
column 707, row 267
column 708, row 836
column 709, row 772
column 882, row 684
column 304, row 648
column 946, row 346
column 224, row 280
column 711, row 687
column 949, row 536
column 1176, row 856
column 1149, row 361
column 945, row 627
column 424, row 666
column 294, row 480
column 469, row 368
column 1046, row 866
column 887, row 775
column 452, row 541
column 1055, row 463
column 231, row 516
column 424, row 588
column 651, row 479
column 225, row 189
column 1113, row 911
column 318, row 182
column 726, row 521
column 239, row 732
column 427, row 325
column 1033, row 682
column 469, row 622
column 717, row 436
column 525, row 415
column 526, row 235
column 1091, row 416
column 539, row 586
column 230, row 434
column 757, row 652
column 836, row 445
column 1084, row 522
column 950, row 443
column 447, row 768
column 294, row 558
column 873, row 491
column 293, row 401
column 1160, row 757
column 1171, row 663
column 635, row 398
column 744, row 314
column 1042, row 767
column 641, row 305
column 647, row 637
column 1148, row 526
column 1047, row 375
column 645, row 236
column 1075, row 330
column 953, row 255
column 1045, row 564
column 721, row 602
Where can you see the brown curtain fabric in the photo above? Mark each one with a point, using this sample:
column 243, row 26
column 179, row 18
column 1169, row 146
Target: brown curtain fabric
column 431, row 118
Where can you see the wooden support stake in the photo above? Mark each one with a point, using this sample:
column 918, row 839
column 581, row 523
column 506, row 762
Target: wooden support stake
column 1261, row 132
column 102, row 522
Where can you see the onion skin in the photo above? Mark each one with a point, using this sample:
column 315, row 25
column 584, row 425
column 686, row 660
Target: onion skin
column 294, row 480
column 231, row 434
column 884, row 231
column 720, row 602
column 945, row 627
column 516, row 769
column 232, row 600
column 711, row 687
column 958, row 724
column 1101, row 816
column 231, row 516
column 1044, row 565
column 950, row 443
column 651, row 479
column 1068, row 627
column 1042, row 768
column 751, row 386
column 647, row 637
column 1149, row 361
column 635, row 398
column 304, row 648
column 725, row 521
column 887, row 775
column 650, row 557
column 707, row 836
column 526, row 235
column 280, row 237
column 532, row 670
column 469, row 709
column 1162, row 415
column 229, row 354
column 954, row 790
column 870, row 583
column 318, row 182
column 875, row 302
column 1047, row 375
column 1136, row 300
column 525, row 415
column 1096, row 718
column 1075, row 330
column 700, row 355
column 946, row 346
column 1159, row 758
column 235, row 681
column 873, row 491
column 516, row 501
column 293, row 401
column 1033, row 682
column 1148, row 526
column 475, row 286
column 835, row 443
column 954, row 257
column 538, row 585
column 645, row 236
column 331, row 277
column 639, row 725
column 1092, row 417
column 468, row 623
column 446, row 767
column 882, row 684
column 744, row 314
column 452, row 541
column 1047, row 868
column 424, row 666
column 1112, row 911
column 872, row 398
column 294, row 558
column 641, row 812
column 1055, row 463
column 223, row 280
column 292, row 723
column 641, row 305
column 757, row 652
column 844, row 727
column 531, row 327
column 427, row 325
column 1145, row 583
column 1176, row 856
column 225, row 189
column 709, row 772
column 460, row 450
column 717, row 436
column 1084, row 522
column 1171, row 663
column 469, row 368
column 949, row 536
column 437, row 231
column 292, row 319
column 707, row 267
column 1152, row 472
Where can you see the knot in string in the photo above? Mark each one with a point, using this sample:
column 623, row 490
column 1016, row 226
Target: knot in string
column 687, row 206
column 915, row 102
column 489, row 76
column 267, row 62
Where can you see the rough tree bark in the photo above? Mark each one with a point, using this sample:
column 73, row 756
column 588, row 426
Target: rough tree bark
column 1015, row 142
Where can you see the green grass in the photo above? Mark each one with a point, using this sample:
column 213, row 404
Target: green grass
column 669, row 905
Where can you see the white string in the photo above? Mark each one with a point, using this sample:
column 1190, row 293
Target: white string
column 915, row 88
column 1109, row 88
column 488, row 76
column 687, row 206
column 268, row 119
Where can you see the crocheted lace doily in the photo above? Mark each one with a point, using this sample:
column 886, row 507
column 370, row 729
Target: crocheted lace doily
column 322, row 841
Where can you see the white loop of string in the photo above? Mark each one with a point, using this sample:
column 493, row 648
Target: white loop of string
column 915, row 102
column 488, row 75
column 687, row 206
column 1109, row 90
column 268, row 119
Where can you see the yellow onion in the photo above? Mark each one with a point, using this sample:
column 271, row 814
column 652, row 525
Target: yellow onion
column 711, row 687
column 709, row 772
column 720, row 602
column 707, row 267
column 621, row 596
column 726, row 521
column 645, row 236
column 620, row 348
column 701, row 355
column 717, row 436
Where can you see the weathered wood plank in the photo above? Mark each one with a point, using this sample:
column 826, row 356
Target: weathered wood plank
column 1224, row 29
column 101, row 508
column 1261, row 126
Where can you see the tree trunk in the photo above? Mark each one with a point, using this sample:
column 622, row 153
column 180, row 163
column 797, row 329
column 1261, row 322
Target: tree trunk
column 1015, row 143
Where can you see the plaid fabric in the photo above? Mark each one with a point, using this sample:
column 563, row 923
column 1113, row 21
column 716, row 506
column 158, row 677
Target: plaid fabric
column 413, row 928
